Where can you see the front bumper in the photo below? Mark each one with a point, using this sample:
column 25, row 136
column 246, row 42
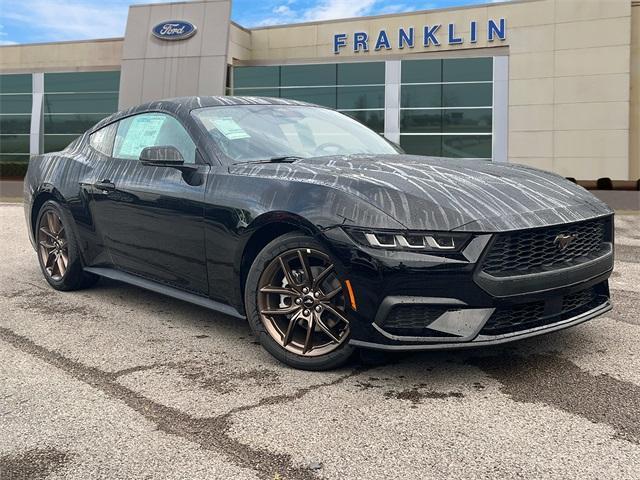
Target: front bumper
column 488, row 340
column 465, row 307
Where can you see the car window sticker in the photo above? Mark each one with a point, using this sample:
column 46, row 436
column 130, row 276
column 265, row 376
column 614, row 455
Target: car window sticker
column 230, row 128
column 143, row 132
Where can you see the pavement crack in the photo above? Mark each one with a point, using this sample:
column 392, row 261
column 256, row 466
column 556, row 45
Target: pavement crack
column 557, row 382
column 210, row 433
column 298, row 394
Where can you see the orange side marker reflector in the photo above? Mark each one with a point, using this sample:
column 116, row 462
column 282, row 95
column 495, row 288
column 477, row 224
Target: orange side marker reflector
column 352, row 297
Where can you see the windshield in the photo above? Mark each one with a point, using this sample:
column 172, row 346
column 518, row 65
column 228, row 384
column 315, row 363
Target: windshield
column 250, row 133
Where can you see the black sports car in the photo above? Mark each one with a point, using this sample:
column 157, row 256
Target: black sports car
column 325, row 236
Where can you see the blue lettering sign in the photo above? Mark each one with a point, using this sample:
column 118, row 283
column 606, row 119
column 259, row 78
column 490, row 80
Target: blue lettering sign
column 499, row 30
column 453, row 40
column 405, row 38
column 474, row 32
column 383, row 41
column 430, row 35
column 360, row 42
column 339, row 41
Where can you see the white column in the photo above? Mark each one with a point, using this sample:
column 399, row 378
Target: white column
column 501, row 109
column 37, row 118
column 392, row 100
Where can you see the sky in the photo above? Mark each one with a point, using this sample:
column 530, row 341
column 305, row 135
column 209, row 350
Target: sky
column 32, row 21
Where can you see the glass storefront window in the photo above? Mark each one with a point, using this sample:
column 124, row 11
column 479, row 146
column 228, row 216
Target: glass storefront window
column 320, row 96
column 355, row 89
column 467, row 69
column 308, row 75
column 75, row 82
column 15, row 122
column 420, row 96
column 467, row 120
column 256, row 77
column 422, row 144
column 453, row 146
column 74, row 102
column 12, row 124
column 466, row 146
column 446, row 107
column 350, row 98
column 467, row 95
column 81, row 102
column 15, row 83
column 15, row 103
column 363, row 73
column 421, row 121
column 21, row 158
column 14, row 144
column 422, row 71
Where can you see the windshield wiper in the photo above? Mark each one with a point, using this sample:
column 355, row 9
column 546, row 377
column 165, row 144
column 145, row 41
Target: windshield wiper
column 283, row 159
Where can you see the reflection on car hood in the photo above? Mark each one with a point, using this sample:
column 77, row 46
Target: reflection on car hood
column 445, row 194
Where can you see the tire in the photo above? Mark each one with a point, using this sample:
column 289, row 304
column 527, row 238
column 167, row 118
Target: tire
column 70, row 276
column 272, row 331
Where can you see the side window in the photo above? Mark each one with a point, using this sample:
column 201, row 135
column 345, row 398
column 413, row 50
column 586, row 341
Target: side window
column 152, row 130
column 102, row 140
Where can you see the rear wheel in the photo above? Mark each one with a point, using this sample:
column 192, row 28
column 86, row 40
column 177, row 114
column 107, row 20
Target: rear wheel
column 58, row 250
column 296, row 304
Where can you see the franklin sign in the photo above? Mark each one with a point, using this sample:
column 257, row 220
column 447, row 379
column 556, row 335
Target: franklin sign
column 427, row 36
column 174, row 30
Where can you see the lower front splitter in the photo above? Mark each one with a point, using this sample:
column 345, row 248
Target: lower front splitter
column 488, row 340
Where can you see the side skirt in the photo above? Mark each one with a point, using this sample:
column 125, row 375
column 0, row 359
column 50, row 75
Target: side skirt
column 165, row 290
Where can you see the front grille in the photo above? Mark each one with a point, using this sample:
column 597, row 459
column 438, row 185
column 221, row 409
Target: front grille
column 515, row 318
column 575, row 300
column 412, row 320
column 517, row 253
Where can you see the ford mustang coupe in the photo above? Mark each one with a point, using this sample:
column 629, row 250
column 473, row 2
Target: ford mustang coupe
column 318, row 231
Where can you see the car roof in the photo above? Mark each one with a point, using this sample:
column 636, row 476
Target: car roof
column 182, row 106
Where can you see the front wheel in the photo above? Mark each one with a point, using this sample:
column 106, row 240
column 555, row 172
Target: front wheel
column 296, row 305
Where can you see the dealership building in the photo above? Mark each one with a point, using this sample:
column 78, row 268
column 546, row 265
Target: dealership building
column 553, row 84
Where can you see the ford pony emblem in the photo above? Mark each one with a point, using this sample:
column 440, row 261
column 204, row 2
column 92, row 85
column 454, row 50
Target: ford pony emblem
column 174, row 30
column 563, row 241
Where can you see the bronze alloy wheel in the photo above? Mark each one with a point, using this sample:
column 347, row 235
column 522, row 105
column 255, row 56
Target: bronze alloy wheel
column 301, row 303
column 52, row 245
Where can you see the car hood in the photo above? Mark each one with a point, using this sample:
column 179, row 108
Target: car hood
column 426, row 193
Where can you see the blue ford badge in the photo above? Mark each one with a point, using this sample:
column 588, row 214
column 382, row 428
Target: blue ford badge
column 173, row 30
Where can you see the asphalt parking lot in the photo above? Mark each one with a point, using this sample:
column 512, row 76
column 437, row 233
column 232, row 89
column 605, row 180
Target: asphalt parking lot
column 116, row 382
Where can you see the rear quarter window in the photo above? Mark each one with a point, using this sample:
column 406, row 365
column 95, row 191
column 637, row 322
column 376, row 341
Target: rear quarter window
column 102, row 140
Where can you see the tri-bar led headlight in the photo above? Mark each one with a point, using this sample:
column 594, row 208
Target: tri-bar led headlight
column 440, row 242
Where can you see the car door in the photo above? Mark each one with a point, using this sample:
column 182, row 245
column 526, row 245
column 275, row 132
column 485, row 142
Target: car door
column 151, row 218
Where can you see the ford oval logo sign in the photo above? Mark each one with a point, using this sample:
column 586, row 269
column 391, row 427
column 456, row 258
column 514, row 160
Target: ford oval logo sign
column 174, row 30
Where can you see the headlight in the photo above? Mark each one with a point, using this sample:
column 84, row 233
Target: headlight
column 440, row 242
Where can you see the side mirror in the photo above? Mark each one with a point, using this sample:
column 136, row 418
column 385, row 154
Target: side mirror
column 162, row 156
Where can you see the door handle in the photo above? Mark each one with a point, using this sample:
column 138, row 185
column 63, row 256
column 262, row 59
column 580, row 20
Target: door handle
column 105, row 185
